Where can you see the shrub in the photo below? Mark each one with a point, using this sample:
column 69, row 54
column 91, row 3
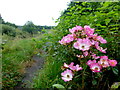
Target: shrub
column 9, row 30
column 103, row 16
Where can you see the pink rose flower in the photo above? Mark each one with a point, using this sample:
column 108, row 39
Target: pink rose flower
column 75, row 29
column 104, row 61
column 93, row 42
column 99, row 38
column 94, row 36
column 66, row 66
column 89, row 62
column 78, row 68
column 82, row 44
column 94, row 56
column 112, row 63
column 72, row 67
column 104, row 57
column 67, row 39
column 100, row 48
column 85, row 53
column 67, row 75
column 89, row 31
column 95, row 67
column 80, row 56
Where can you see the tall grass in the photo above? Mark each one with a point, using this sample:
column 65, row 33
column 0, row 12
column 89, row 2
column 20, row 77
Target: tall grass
column 50, row 74
column 15, row 54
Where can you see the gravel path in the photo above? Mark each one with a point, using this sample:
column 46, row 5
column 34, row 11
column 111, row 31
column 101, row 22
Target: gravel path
column 31, row 72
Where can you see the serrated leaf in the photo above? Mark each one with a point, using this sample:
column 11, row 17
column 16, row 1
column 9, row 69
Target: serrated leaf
column 59, row 86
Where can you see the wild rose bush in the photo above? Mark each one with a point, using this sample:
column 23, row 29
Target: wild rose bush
column 88, row 43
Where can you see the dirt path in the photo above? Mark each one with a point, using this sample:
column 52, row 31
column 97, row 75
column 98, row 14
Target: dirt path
column 31, row 72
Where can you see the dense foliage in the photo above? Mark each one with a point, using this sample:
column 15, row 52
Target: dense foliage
column 34, row 29
column 104, row 17
column 30, row 28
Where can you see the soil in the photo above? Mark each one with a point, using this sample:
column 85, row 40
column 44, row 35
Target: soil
column 31, row 72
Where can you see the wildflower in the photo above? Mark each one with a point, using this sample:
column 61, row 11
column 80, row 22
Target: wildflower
column 78, row 68
column 79, row 27
column 103, row 61
column 71, row 64
column 80, row 56
column 75, row 29
column 67, row 39
column 85, row 53
column 89, row 31
column 112, row 63
column 65, row 65
column 75, row 68
column 95, row 67
column 94, row 56
column 100, row 48
column 89, row 62
column 82, row 44
column 104, row 57
column 93, row 42
column 72, row 67
column 99, row 38
column 94, row 36
column 67, row 75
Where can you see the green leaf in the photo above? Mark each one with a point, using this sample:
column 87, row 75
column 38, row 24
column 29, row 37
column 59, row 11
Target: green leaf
column 119, row 63
column 107, row 21
column 59, row 86
column 115, row 71
column 106, row 4
column 94, row 82
column 115, row 85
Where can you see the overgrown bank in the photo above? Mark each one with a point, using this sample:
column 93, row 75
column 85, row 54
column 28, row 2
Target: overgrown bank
column 104, row 17
column 16, row 56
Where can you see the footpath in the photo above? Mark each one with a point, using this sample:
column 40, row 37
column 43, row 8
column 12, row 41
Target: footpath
column 31, row 72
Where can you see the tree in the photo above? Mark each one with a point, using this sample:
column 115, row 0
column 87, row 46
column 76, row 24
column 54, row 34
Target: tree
column 30, row 27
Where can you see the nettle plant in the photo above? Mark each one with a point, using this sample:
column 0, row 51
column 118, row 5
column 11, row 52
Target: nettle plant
column 88, row 43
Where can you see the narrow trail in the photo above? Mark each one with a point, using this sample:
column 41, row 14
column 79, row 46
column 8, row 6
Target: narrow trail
column 31, row 72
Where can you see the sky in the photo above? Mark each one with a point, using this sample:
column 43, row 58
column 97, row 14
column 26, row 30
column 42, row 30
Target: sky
column 40, row 12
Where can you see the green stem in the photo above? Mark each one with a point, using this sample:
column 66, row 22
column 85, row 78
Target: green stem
column 83, row 83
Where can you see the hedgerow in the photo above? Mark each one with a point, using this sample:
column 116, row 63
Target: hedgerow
column 104, row 17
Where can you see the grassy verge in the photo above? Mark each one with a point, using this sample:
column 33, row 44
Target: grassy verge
column 49, row 75
column 54, row 59
column 16, row 55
